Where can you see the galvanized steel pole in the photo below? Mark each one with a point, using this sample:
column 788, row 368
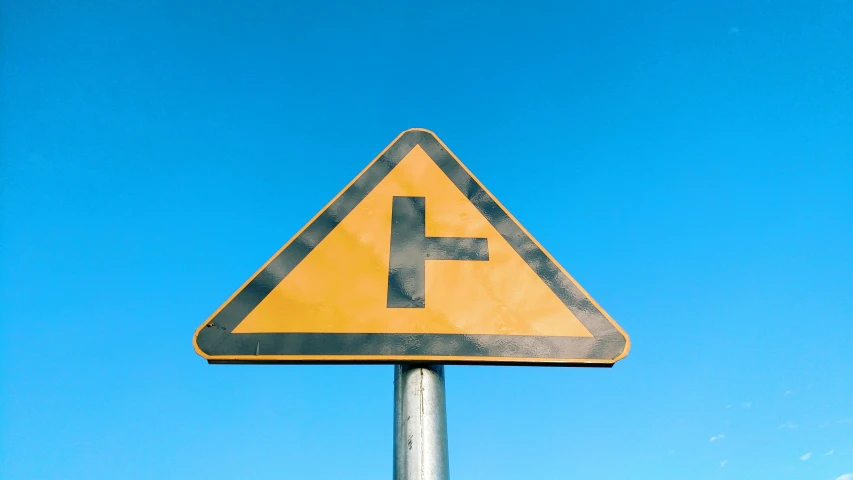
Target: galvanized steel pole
column 420, row 423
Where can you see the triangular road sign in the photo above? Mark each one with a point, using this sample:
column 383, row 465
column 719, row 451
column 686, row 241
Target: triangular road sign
column 414, row 261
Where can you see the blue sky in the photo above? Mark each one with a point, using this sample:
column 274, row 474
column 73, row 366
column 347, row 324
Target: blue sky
column 689, row 163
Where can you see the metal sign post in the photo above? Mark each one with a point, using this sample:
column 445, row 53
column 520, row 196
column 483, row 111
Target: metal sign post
column 420, row 423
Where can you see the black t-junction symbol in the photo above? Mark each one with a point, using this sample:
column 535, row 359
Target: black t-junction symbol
column 411, row 248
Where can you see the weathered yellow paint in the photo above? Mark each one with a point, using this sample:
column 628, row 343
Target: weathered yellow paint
column 341, row 286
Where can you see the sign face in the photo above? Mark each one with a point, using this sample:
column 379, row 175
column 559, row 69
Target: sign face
column 414, row 261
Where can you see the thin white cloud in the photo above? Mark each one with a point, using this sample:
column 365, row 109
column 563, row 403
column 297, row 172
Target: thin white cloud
column 734, row 30
column 717, row 437
column 787, row 426
column 723, row 463
column 831, row 452
column 846, row 476
column 747, row 405
column 788, row 392
column 806, row 456
column 728, row 406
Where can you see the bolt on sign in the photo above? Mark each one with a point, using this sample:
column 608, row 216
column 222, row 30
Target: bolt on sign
column 414, row 261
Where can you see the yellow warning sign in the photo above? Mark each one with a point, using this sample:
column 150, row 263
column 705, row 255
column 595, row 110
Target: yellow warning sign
column 413, row 261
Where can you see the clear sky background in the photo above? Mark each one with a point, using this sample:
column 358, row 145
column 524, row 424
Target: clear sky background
column 690, row 164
